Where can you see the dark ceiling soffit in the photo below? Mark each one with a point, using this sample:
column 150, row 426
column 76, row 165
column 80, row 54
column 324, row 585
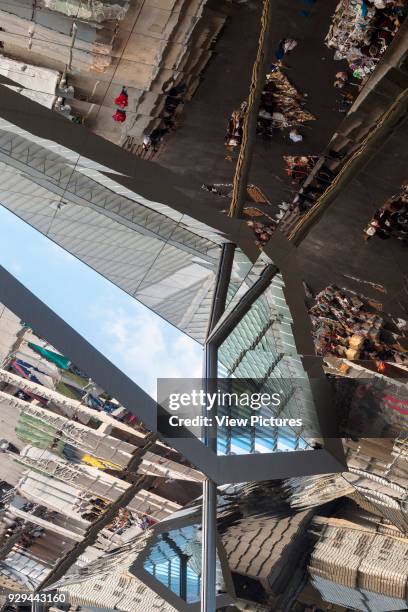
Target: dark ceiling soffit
column 233, row 230
column 138, row 570
column 222, row 470
column 149, row 179
column 278, row 466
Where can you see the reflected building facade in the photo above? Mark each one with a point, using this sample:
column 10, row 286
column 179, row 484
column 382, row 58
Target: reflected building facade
column 80, row 55
column 262, row 347
column 359, row 562
column 70, row 453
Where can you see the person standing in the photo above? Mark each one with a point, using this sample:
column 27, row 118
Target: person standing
column 122, row 100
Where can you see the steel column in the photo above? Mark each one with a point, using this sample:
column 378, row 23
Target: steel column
column 210, row 373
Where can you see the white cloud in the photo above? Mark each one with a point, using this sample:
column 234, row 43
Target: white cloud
column 15, row 267
column 145, row 348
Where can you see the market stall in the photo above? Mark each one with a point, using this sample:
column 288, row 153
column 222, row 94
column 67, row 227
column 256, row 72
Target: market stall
column 281, row 107
column 391, row 219
column 361, row 31
column 351, row 327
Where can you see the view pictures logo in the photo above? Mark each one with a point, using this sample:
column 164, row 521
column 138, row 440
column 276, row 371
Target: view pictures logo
column 209, row 401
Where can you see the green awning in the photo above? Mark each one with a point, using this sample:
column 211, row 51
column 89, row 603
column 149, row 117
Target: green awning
column 59, row 360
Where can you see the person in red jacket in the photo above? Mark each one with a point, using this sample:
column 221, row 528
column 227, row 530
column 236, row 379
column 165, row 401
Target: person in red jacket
column 119, row 116
column 123, row 99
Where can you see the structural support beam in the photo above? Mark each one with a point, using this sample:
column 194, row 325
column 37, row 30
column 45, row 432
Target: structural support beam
column 209, row 515
column 209, row 535
column 36, row 520
column 221, row 331
column 239, row 193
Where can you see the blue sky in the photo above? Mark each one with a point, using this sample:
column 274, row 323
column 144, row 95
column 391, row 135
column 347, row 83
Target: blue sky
column 139, row 342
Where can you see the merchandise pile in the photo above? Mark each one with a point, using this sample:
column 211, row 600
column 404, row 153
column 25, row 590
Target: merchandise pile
column 351, row 327
column 281, row 107
column 362, row 30
column 298, row 167
column 391, row 220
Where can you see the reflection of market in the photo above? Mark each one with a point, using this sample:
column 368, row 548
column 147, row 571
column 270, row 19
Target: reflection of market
column 77, row 455
column 350, row 327
column 310, row 174
column 260, row 214
column 70, row 452
column 391, row 220
column 233, row 137
column 260, row 221
column 314, row 176
column 333, row 159
column 362, row 30
column 263, row 216
column 298, row 167
column 282, row 106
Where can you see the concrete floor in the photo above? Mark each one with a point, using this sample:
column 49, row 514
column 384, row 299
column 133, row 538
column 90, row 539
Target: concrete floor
column 311, row 69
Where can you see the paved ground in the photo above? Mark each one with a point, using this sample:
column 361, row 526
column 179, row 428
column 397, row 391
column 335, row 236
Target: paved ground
column 311, row 69
column 197, row 147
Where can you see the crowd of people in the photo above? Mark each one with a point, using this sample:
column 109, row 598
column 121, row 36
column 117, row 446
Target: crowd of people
column 264, row 219
column 349, row 326
column 122, row 521
column 258, row 218
column 391, row 219
column 362, row 30
column 92, row 507
column 264, row 229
